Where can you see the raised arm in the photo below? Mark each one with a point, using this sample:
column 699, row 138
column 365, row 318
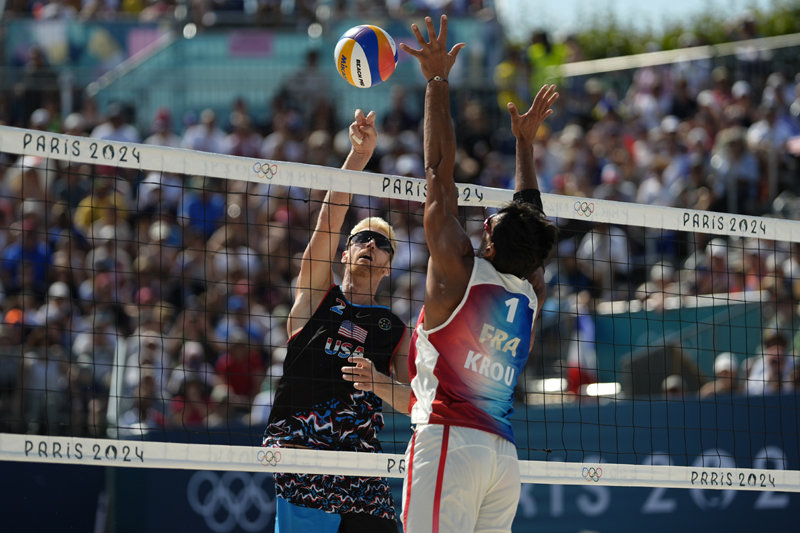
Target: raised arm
column 316, row 275
column 450, row 249
column 525, row 127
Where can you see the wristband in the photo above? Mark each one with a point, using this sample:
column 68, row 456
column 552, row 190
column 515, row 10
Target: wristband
column 438, row 78
column 530, row 196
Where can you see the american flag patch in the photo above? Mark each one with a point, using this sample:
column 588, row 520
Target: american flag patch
column 352, row 331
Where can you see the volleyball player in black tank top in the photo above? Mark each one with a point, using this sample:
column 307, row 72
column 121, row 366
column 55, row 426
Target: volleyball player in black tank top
column 328, row 324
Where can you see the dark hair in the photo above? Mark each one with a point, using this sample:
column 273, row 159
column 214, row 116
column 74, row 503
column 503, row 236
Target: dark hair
column 522, row 238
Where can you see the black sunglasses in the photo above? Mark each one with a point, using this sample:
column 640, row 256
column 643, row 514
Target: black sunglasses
column 381, row 241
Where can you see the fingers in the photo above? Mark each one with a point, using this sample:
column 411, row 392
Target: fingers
column 354, row 134
column 418, row 34
column 360, row 374
column 359, row 123
column 512, row 109
column 456, row 49
column 547, row 95
column 431, row 28
column 410, row 51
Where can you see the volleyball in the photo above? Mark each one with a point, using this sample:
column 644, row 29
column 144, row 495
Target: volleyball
column 365, row 56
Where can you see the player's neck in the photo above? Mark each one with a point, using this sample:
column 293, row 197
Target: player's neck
column 359, row 288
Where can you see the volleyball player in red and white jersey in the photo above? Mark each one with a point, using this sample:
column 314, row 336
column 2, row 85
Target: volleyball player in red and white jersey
column 475, row 331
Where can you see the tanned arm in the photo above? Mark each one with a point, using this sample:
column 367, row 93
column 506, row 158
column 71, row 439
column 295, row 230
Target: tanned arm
column 451, row 253
column 525, row 127
column 316, row 275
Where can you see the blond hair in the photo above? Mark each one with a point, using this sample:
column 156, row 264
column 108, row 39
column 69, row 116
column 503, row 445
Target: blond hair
column 375, row 224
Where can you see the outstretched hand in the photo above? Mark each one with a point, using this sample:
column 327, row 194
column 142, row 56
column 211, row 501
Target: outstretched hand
column 433, row 57
column 524, row 127
column 363, row 135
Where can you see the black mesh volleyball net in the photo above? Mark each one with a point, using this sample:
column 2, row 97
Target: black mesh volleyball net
column 145, row 292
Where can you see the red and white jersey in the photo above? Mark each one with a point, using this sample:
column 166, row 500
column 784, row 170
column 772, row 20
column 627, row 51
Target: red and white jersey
column 463, row 372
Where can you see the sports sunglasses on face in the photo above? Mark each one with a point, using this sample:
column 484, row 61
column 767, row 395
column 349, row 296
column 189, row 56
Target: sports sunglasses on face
column 381, row 241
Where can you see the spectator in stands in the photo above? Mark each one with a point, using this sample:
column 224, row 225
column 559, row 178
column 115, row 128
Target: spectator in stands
column 301, row 88
column 768, row 135
column 398, row 118
column 159, row 193
column 683, row 104
column 104, row 202
column 725, row 383
column 221, row 414
column 146, row 354
column 116, row 126
column 673, row 387
column 772, row 371
column 284, row 143
column 205, row 136
column 192, row 364
column 147, row 412
column 27, row 258
column 581, row 361
column 243, row 140
column 242, row 315
column 71, row 186
column 38, row 83
column 89, row 398
column 11, row 351
column 735, row 173
column 203, row 205
column 45, row 384
column 659, row 286
column 161, row 130
column 188, row 271
column 190, row 325
column 241, row 367
column 59, row 312
column 262, row 403
column 189, row 407
column 99, row 344
column 603, row 256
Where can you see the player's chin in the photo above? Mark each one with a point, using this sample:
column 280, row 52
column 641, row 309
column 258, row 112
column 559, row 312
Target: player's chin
column 365, row 265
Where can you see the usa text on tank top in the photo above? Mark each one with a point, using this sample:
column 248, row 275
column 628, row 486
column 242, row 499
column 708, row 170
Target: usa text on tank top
column 315, row 356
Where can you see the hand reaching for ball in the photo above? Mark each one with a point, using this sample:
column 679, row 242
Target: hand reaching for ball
column 433, row 56
column 363, row 134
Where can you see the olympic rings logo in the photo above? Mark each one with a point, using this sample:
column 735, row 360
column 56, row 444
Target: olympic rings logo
column 592, row 474
column 585, row 209
column 234, row 498
column 269, row 457
column 265, row 170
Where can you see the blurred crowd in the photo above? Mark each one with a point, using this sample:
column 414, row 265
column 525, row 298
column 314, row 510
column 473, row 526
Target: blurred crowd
column 298, row 13
column 159, row 300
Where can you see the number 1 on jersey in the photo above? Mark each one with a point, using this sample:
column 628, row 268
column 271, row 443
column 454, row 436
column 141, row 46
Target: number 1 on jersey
column 511, row 303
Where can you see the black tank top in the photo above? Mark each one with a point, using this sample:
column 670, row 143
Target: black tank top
column 312, row 370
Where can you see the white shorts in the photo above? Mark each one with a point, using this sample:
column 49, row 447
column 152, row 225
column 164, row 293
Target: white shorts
column 459, row 480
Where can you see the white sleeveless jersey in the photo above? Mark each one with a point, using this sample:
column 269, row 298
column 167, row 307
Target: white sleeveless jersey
column 465, row 370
